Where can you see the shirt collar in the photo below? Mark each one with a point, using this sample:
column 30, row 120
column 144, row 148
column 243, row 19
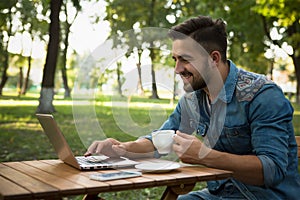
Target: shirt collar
column 228, row 89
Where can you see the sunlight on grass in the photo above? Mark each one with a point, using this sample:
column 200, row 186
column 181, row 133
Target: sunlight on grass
column 21, row 125
column 18, row 102
column 13, row 102
column 135, row 104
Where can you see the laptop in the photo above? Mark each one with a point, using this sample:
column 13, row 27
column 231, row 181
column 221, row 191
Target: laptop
column 65, row 153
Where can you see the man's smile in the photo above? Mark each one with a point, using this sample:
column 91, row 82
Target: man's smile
column 185, row 74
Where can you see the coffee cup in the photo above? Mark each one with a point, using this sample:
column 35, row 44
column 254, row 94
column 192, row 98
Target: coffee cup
column 163, row 140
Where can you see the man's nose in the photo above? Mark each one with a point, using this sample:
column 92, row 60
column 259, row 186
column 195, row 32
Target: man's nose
column 178, row 67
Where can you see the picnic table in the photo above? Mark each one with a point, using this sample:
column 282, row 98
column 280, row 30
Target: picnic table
column 53, row 179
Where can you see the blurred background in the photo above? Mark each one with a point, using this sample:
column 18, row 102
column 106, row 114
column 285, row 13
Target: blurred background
column 44, row 45
column 44, row 42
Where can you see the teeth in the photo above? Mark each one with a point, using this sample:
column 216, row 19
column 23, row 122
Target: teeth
column 186, row 74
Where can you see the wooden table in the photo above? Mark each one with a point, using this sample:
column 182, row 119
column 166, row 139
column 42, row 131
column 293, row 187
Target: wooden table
column 52, row 179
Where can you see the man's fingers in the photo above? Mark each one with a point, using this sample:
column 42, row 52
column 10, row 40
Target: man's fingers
column 87, row 154
column 98, row 146
column 92, row 149
column 184, row 135
column 113, row 141
column 182, row 143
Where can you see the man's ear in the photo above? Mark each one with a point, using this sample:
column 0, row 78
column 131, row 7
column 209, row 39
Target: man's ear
column 216, row 56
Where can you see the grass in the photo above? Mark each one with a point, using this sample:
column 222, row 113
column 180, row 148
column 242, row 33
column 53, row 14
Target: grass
column 22, row 137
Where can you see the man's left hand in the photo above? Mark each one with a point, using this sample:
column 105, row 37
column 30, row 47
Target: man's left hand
column 189, row 148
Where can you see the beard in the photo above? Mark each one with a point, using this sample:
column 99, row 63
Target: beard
column 197, row 83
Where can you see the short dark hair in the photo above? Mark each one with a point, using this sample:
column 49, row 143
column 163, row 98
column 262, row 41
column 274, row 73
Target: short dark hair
column 210, row 34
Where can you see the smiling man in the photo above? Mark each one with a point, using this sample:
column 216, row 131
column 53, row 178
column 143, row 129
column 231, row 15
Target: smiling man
column 244, row 119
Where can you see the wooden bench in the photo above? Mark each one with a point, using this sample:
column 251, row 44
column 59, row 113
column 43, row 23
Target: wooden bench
column 298, row 143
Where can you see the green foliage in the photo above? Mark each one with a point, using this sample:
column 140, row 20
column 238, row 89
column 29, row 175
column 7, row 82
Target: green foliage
column 7, row 4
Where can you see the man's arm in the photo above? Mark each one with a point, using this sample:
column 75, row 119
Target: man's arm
column 113, row 148
column 246, row 168
column 140, row 148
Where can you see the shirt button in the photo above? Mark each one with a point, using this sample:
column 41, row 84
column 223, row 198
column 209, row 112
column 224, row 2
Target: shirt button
column 201, row 130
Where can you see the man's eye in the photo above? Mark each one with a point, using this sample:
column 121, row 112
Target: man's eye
column 184, row 60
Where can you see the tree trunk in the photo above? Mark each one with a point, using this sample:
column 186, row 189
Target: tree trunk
column 271, row 69
column 154, row 88
column 292, row 31
column 65, row 82
column 46, row 97
column 47, row 91
column 64, row 55
column 26, row 81
column 119, row 64
column 152, row 53
column 20, row 82
column 138, row 65
column 296, row 60
column 4, row 76
column 175, row 86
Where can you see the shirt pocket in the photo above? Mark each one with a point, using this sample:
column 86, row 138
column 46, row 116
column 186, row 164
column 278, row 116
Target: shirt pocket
column 237, row 139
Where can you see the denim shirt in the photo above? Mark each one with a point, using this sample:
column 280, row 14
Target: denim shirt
column 251, row 116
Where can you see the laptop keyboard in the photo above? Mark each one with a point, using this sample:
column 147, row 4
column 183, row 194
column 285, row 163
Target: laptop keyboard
column 89, row 160
column 97, row 159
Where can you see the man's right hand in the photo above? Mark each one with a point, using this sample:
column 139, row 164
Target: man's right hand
column 104, row 147
column 113, row 148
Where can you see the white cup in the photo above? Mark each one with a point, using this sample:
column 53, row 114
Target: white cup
column 163, row 140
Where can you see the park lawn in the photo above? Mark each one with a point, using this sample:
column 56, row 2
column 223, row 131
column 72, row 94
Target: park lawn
column 22, row 137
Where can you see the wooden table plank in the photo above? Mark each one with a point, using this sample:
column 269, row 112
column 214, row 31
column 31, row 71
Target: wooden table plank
column 64, row 186
column 36, row 187
column 137, row 182
column 10, row 190
column 72, row 174
column 206, row 174
column 56, row 179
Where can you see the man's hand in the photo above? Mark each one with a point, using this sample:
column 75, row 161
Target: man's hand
column 104, row 147
column 113, row 148
column 189, row 148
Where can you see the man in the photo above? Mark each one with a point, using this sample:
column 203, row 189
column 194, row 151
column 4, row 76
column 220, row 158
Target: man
column 244, row 119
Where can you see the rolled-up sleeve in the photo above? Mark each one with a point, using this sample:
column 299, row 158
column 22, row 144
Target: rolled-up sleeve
column 270, row 119
column 269, row 169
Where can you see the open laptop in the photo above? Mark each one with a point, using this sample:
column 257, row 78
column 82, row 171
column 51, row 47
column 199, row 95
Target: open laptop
column 65, row 153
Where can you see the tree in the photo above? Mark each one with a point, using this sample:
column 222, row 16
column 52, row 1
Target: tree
column 137, row 14
column 26, row 19
column 47, row 90
column 138, row 65
column 284, row 17
column 35, row 26
column 7, row 12
column 65, row 42
column 119, row 78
